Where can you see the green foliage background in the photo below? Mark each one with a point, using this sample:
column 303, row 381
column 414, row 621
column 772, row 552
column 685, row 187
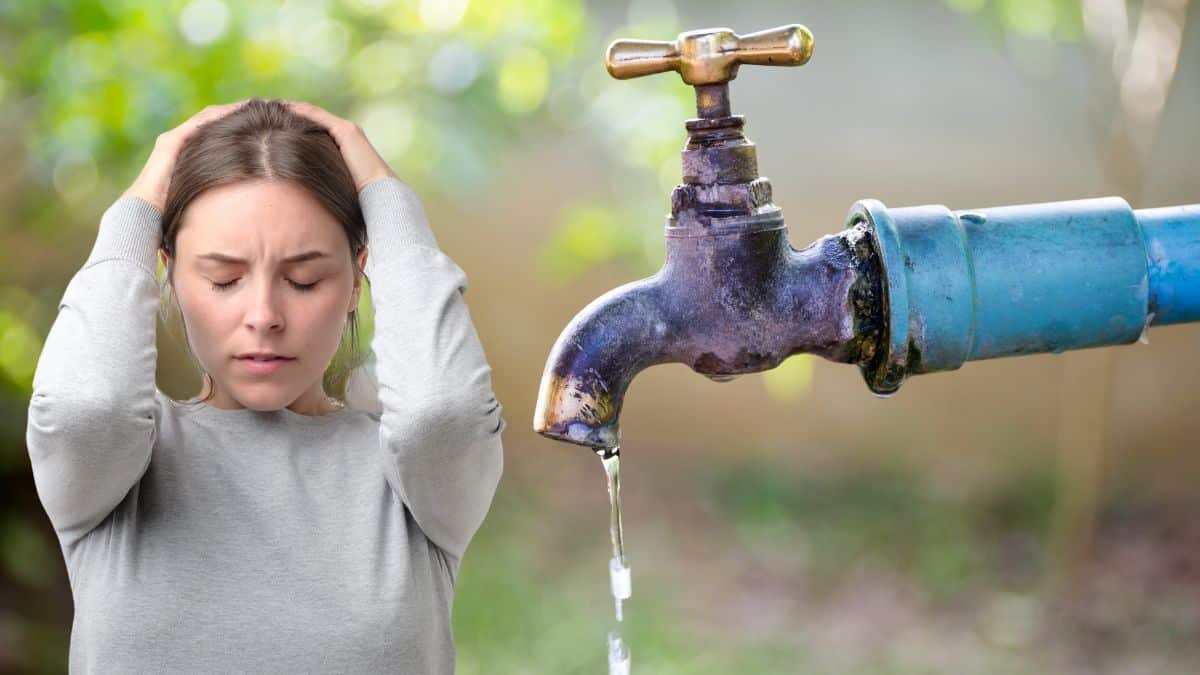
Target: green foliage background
column 446, row 90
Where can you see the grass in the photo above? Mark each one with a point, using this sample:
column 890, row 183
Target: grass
column 850, row 572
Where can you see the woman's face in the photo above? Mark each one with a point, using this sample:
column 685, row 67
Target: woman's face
column 240, row 290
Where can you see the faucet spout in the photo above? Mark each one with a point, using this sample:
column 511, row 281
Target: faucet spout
column 733, row 296
column 723, row 304
column 899, row 292
column 595, row 358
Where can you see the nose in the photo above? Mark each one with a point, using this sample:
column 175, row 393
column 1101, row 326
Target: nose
column 265, row 312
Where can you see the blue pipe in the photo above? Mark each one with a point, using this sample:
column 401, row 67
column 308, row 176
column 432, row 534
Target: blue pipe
column 976, row 284
column 1173, row 250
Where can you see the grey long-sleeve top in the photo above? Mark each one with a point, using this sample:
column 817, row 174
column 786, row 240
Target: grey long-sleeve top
column 207, row 540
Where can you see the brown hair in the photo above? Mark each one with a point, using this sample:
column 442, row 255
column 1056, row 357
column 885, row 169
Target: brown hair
column 264, row 139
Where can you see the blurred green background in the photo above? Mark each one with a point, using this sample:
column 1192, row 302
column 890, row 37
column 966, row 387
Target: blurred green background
column 1038, row 514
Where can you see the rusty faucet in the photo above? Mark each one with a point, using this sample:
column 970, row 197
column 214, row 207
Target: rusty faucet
column 898, row 292
column 733, row 296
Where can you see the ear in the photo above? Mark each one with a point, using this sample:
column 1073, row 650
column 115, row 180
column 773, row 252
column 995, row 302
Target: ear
column 361, row 261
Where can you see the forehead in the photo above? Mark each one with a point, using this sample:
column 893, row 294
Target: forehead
column 256, row 219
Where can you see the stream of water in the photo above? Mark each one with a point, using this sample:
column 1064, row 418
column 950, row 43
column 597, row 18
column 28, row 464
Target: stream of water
column 618, row 568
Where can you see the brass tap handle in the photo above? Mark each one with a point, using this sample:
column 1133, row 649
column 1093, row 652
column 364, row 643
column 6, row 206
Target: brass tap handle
column 710, row 55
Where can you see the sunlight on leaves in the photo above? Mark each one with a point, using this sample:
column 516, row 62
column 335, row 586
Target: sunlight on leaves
column 19, row 348
column 588, row 235
column 524, row 77
column 1030, row 17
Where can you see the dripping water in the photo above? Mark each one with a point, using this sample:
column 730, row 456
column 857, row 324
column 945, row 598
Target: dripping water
column 620, row 580
column 618, row 655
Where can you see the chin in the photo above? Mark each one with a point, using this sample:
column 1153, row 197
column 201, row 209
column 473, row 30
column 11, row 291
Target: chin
column 265, row 401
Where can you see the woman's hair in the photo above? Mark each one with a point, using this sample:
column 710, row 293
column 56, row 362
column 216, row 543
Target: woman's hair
column 264, row 139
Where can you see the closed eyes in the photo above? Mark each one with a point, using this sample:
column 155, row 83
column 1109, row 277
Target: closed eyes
column 303, row 288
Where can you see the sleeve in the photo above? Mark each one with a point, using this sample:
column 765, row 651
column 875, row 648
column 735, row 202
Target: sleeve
column 94, row 411
column 440, row 424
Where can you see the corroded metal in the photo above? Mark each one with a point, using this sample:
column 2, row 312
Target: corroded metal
column 723, row 304
column 717, row 153
column 898, row 292
column 1025, row 279
column 732, row 297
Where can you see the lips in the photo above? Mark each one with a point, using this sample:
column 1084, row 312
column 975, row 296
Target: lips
column 263, row 366
column 261, row 355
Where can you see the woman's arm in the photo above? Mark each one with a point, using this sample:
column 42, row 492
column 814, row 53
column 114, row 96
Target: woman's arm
column 441, row 423
column 93, row 415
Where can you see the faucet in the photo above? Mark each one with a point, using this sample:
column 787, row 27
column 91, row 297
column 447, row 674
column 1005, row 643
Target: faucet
column 898, row 292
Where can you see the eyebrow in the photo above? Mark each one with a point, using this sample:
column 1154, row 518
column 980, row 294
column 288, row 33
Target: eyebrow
column 300, row 257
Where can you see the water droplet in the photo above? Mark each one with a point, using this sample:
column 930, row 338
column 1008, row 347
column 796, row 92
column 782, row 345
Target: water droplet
column 1144, row 338
column 618, row 655
column 621, row 582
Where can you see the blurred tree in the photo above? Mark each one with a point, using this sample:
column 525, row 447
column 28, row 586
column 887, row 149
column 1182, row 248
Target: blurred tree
column 1135, row 66
column 444, row 88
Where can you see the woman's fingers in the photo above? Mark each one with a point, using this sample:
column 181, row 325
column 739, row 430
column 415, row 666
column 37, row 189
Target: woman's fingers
column 154, row 179
column 317, row 113
column 363, row 161
column 339, row 128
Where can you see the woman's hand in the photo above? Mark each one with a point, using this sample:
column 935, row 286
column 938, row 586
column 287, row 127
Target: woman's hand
column 151, row 184
column 365, row 164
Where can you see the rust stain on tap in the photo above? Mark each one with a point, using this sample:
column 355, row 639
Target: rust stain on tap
column 733, row 296
column 576, row 410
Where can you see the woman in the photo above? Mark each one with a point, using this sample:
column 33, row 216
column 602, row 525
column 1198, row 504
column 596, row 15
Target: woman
column 263, row 526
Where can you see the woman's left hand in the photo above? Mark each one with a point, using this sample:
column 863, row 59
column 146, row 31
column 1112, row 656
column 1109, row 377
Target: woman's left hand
column 364, row 162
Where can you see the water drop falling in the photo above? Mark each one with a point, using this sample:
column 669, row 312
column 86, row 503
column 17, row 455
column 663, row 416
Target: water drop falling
column 621, row 582
column 618, row 655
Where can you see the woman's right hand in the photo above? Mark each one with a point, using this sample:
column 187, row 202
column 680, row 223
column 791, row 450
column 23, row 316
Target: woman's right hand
column 151, row 184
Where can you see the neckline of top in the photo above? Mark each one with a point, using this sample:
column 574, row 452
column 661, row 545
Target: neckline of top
column 201, row 409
